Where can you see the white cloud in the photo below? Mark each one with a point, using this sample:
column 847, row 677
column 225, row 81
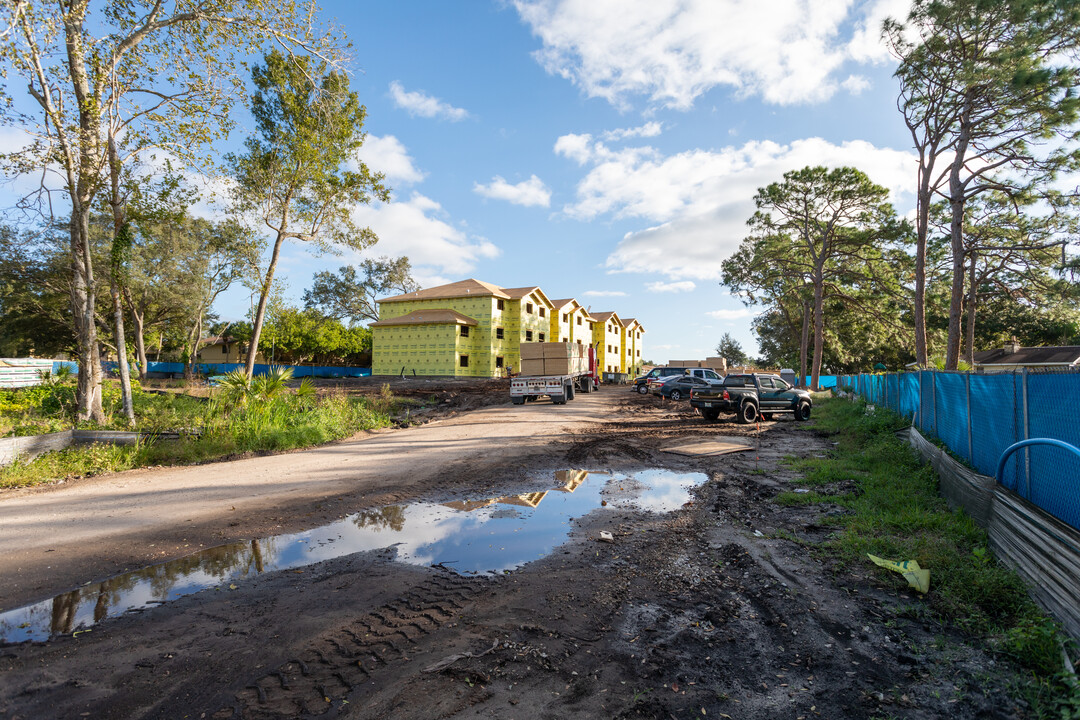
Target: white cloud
column 604, row 293
column 414, row 228
column 699, row 200
column 531, row 192
column 419, row 103
column 388, row 155
column 731, row 314
column 649, row 129
column 866, row 44
column 786, row 51
column 575, row 147
column 671, row 287
column 855, row 84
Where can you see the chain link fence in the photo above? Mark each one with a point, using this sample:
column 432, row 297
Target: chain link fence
column 978, row 416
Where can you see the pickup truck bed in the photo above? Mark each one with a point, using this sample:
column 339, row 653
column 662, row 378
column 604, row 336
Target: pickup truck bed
column 750, row 396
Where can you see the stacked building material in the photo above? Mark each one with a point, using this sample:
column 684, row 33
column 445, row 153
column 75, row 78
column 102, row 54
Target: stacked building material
column 553, row 358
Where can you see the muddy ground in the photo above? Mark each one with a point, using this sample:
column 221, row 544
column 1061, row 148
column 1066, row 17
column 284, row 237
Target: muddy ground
column 711, row 611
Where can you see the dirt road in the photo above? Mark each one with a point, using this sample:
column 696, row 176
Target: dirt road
column 59, row 537
column 713, row 609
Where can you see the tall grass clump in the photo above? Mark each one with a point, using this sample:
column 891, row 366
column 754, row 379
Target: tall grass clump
column 263, row 414
column 241, row 416
column 897, row 513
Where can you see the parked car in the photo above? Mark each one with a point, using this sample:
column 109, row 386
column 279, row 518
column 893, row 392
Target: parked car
column 679, row 387
column 641, row 384
column 750, row 395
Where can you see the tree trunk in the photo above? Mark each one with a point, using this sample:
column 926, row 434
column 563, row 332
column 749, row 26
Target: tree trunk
column 922, row 223
column 260, row 312
column 973, row 298
column 121, row 351
column 88, row 390
column 140, row 336
column 957, row 203
column 819, row 330
column 804, row 342
column 119, row 252
column 194, row 335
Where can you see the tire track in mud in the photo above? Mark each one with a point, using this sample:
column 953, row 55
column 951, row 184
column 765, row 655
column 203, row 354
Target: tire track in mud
column 318, row 682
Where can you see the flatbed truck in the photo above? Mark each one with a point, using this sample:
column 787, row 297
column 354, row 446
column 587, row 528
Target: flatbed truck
column 560, row 387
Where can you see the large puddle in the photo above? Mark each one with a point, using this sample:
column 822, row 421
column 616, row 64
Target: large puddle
column 469, row 536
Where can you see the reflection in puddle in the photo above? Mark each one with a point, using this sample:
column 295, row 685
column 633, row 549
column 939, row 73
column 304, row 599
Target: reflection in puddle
column 468, row 536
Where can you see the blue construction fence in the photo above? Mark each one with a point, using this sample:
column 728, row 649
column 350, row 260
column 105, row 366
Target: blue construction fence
column 978, row 416
column 175, row 368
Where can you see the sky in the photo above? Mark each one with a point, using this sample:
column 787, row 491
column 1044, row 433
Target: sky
column 606, row 150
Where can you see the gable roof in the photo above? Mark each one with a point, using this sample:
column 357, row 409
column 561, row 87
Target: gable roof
column 434, row 316
column 462, row 288
column 560, row 304
column 630, row 322
column 521, row 292
column 1062, row 355
column 605, row 316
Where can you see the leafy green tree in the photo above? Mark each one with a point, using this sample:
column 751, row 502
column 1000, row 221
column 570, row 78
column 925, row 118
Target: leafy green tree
column 829, row 230
column 309, row 125
column 302, row 336
column 34, row 295
column 345, row 296
column 1015, row 253
column 158, row 73
column 731, row 349
column 988, row 91
column 751, row 275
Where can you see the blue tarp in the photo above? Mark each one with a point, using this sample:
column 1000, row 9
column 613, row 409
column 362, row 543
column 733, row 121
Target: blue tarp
column 260, row 369
column 979, row 416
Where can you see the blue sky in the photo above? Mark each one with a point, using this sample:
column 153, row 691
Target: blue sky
column 609, row 151
column 606, row 150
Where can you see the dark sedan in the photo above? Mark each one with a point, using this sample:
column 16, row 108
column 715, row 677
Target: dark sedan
column 679, row 386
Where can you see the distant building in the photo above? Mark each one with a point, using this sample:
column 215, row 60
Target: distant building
column 218, row 349
column 1014, row 357
column 608, row 331
column 570, row 322
column 475, row 329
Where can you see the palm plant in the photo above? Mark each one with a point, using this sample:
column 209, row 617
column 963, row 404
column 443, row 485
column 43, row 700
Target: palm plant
column 236, row 389
column 272, row 384
column 305, row 394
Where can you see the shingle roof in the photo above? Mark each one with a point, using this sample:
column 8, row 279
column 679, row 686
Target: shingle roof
column 630, row 321
column 435, row 316
column 462, row 288
column 605, row 316
column 560, row 304
column 1060, row 355
column 519, row 293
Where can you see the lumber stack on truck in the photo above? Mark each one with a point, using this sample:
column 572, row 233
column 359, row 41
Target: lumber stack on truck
column 553, row 358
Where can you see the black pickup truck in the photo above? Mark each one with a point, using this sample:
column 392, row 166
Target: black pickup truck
column 751, row 395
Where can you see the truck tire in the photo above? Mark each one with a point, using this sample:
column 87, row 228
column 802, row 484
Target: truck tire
column 802, row 412
column 568, row 391
column 747, row 413
column 586, row 384
column 710, row 414
column 643, row 389
column 518, row 400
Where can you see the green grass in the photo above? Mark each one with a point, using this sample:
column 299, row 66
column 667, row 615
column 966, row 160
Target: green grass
column 285, row 422
column 898, row 514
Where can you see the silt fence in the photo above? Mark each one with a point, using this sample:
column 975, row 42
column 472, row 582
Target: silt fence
column 978, row 416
